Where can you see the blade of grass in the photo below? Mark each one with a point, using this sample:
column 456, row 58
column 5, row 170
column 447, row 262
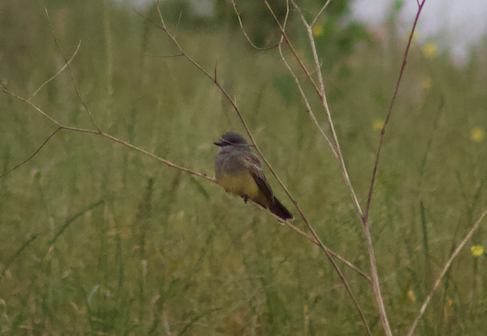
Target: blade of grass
column 19, row 251
column 70, row 220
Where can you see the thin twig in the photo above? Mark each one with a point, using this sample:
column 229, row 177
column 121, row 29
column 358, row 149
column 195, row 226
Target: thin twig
column 386, row 121
column 324, row 101
column 308, row 106
column 375, row 278
column 28, row 102
column 245, row 33
column 61, row 70
column 372, row 259
column 365, row 224
column 317, row 243
column 444, row 270
column 75, row 129
column 295, row 53
column 321, row 93
column 334, row 148
column 70, row 72
column 319, row 14
column 37, row 151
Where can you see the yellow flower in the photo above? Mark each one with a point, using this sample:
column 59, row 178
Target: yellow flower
column 317, row 30
column 477, row 134
column 477, row 250
column 427, row 83
column 378, row 124
column 429, row 51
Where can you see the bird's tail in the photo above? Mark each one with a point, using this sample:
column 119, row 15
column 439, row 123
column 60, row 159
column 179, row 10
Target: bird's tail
column 280, row 210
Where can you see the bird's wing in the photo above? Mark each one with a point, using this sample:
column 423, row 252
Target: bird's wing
column 255, row 168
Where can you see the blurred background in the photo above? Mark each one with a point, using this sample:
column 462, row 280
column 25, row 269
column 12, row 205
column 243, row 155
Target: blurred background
column 99, row 238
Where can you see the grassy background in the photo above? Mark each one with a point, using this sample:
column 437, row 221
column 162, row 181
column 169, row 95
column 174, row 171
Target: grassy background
column 98, row 238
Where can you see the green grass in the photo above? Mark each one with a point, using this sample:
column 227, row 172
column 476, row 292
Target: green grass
column 96, row 237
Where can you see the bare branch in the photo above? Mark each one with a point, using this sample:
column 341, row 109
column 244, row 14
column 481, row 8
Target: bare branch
column 445, row 269
column 319, row 14
column 28, row 102
column 70, row 72
column 308, row 106
column 37, row 151
column 98, row 132
column 57, row 74
column 245, row 33
column 386, row 121
column 323, row 99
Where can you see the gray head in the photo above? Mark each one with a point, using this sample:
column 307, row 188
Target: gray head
column 231, row 139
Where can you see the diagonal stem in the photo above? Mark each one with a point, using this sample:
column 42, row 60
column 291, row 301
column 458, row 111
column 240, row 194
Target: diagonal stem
column 444, row 270
column 404, row 62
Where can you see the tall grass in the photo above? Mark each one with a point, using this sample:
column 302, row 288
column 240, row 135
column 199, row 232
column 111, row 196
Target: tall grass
column 98, row 238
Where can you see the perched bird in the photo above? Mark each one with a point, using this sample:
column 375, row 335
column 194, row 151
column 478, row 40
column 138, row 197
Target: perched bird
column 239, row 171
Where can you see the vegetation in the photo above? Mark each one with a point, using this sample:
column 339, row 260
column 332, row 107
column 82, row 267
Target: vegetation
column 96, row 237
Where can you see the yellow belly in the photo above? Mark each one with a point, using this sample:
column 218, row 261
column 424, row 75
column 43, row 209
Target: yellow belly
column 241, row 185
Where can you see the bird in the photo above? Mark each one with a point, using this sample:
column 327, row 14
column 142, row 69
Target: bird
column 239, row 171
